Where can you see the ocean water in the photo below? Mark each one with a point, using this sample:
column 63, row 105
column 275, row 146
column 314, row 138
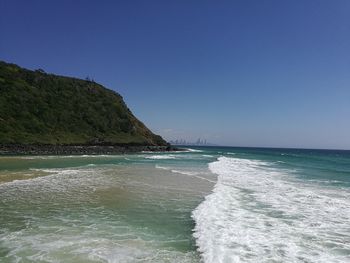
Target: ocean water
column 208, row 204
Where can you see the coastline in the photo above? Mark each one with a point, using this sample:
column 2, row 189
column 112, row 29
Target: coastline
column 21, row 149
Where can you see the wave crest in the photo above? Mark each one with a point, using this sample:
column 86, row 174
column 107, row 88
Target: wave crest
column 260, row 214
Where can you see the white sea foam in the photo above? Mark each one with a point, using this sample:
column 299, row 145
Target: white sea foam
column 47, row 157
column 175, row 171
column 54, row 171
column 56, row 180
column 260, row 214
column 193, row 150
column 188, row 173
column 161, row 157
column 58, row 218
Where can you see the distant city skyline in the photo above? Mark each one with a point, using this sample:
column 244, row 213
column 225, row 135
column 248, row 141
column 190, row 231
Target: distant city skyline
column 241, row 73
column 199, row 142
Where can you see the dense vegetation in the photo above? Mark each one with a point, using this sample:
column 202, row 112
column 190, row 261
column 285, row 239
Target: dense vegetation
column 41, row 108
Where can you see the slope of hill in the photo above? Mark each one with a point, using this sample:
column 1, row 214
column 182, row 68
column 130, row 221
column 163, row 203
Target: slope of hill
column 46, row 109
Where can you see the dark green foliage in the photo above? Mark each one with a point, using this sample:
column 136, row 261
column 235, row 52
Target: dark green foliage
column 41, row 108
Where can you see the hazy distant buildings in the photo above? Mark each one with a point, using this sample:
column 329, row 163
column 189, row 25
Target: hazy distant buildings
column 198, row 142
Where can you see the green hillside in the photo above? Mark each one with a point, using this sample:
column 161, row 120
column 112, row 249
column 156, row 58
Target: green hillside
column 41, row 108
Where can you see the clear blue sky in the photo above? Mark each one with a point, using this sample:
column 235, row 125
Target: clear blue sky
column 246, row 73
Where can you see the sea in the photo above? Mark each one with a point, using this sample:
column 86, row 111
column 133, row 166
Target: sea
column 202, row 204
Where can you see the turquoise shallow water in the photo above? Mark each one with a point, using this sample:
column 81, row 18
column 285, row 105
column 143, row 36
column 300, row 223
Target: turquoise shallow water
column 211, row 204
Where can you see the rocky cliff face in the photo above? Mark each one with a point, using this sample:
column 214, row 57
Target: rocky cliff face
column 41, row 108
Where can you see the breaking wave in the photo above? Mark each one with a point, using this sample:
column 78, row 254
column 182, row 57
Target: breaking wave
column 257, row 213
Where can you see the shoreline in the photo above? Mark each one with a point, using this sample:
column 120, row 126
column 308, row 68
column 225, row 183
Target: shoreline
column 20, row 149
